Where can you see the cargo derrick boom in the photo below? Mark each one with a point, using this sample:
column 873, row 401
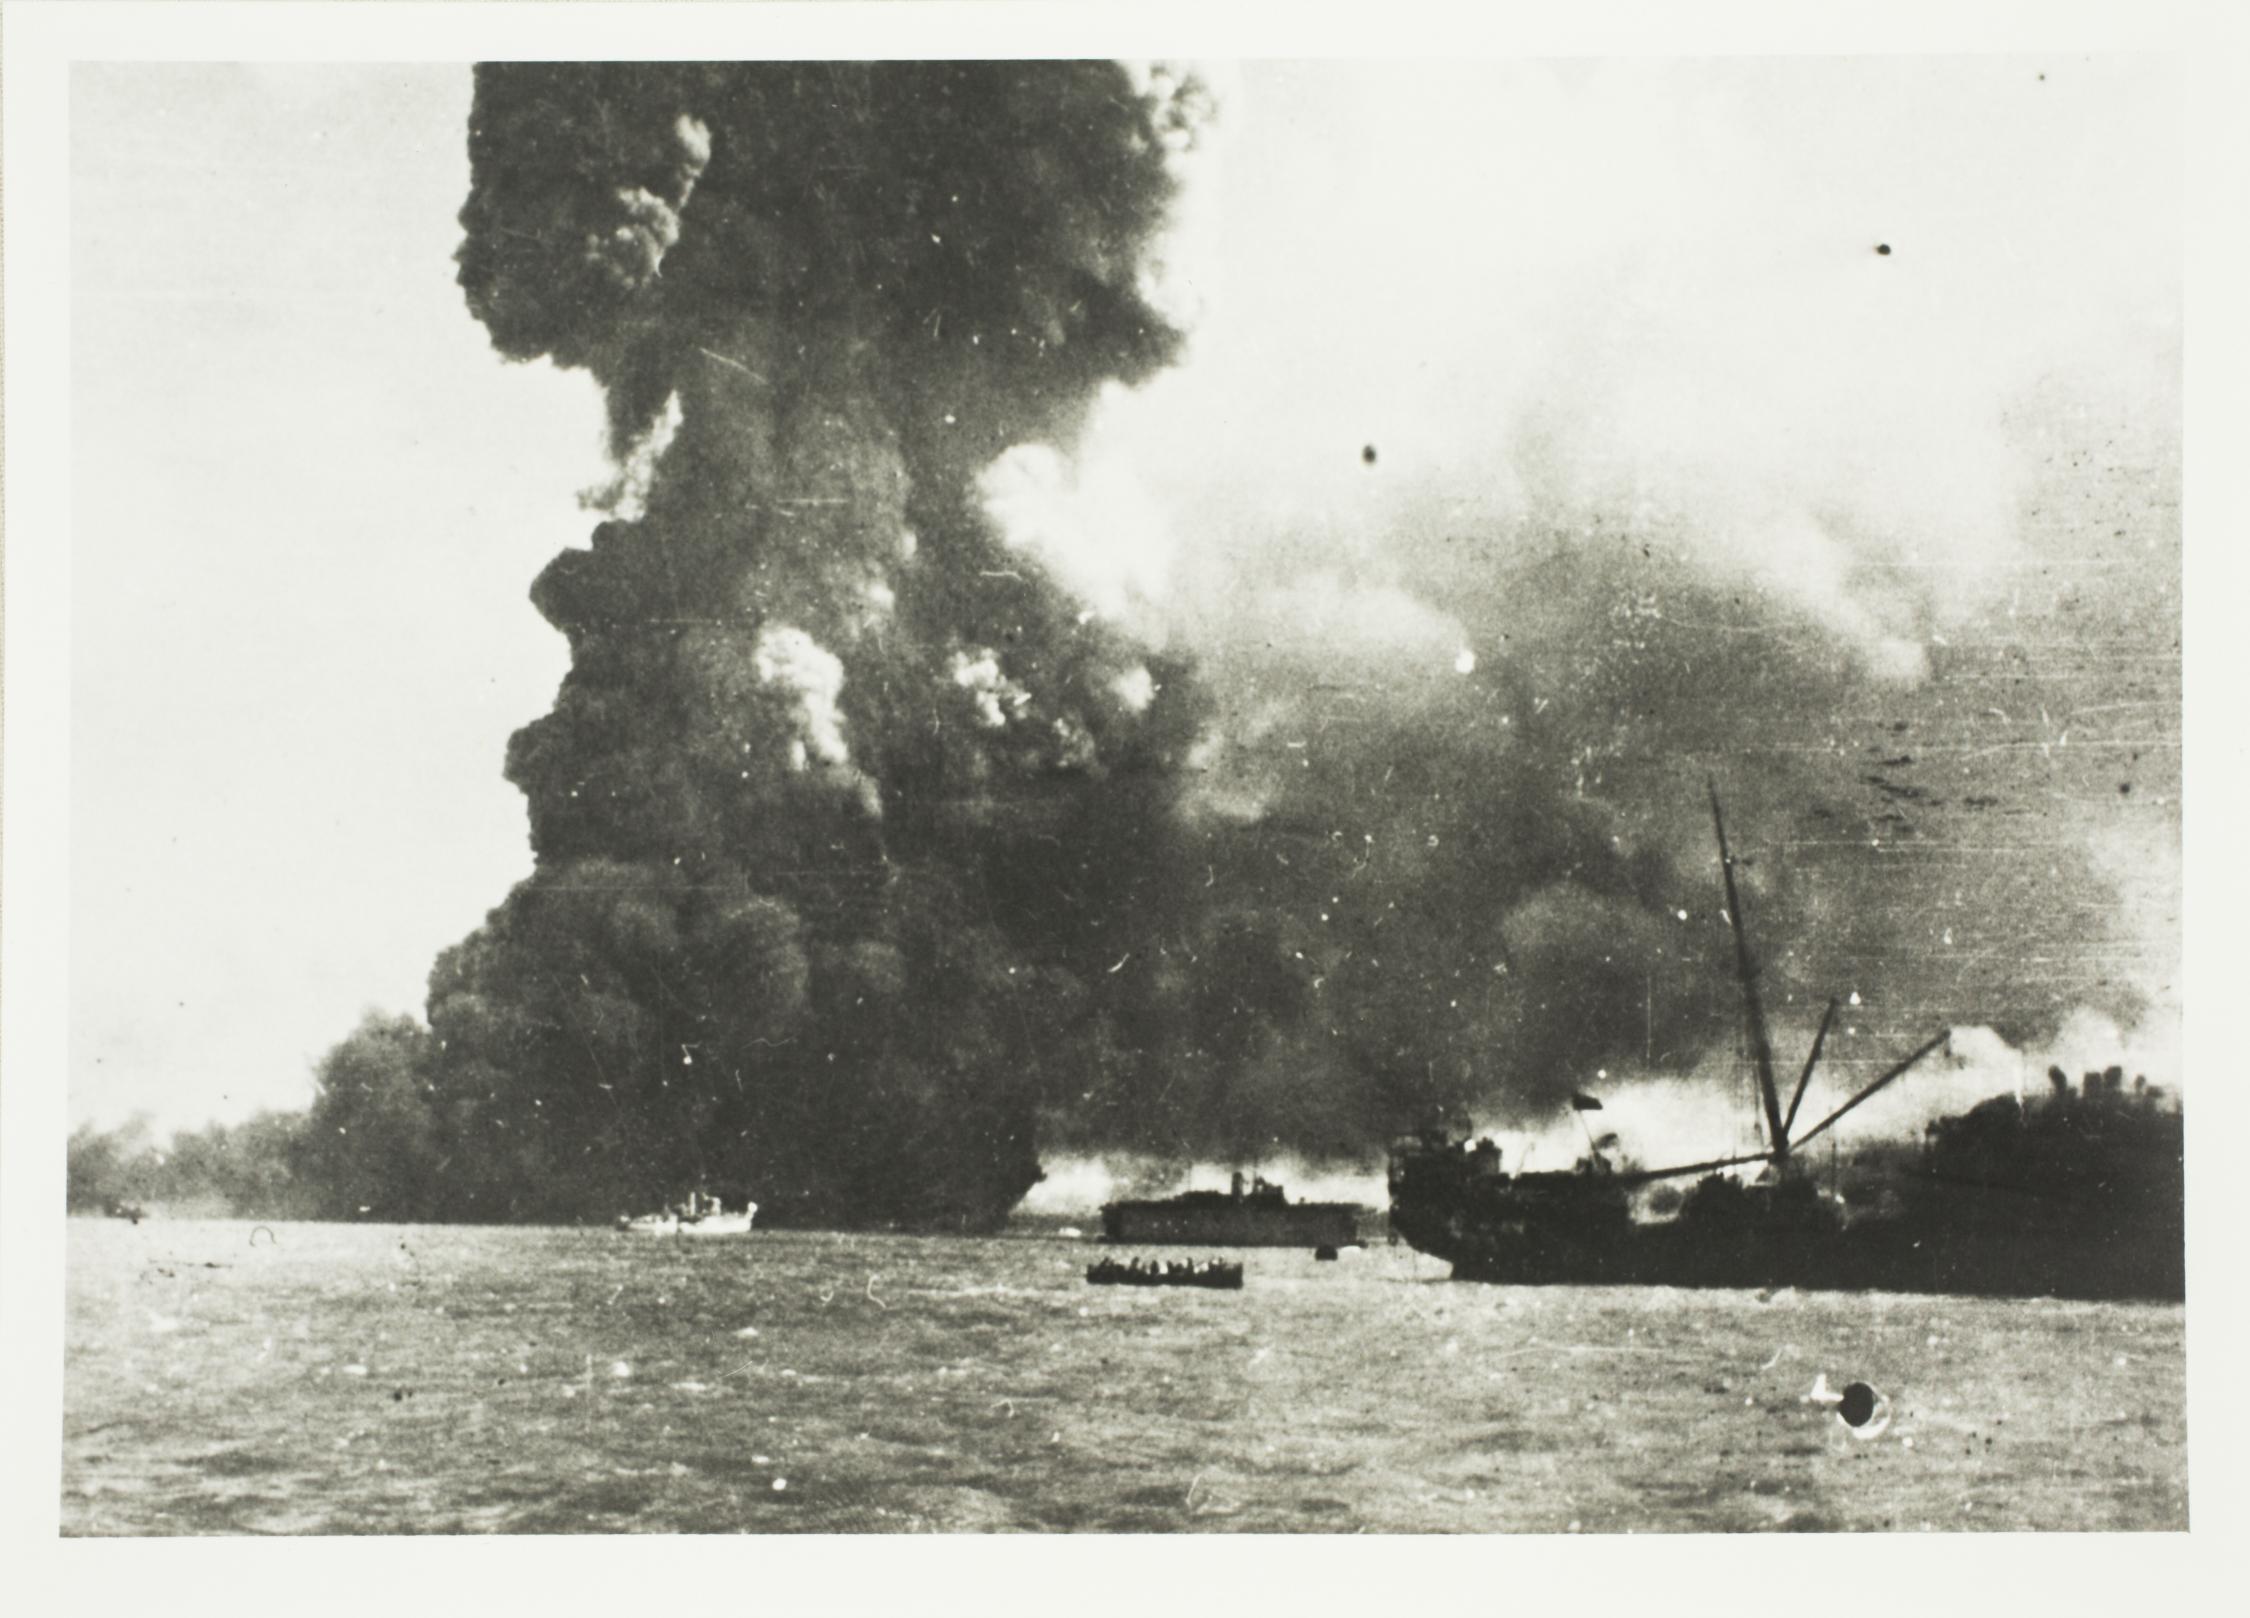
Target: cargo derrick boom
column 1753, row 1010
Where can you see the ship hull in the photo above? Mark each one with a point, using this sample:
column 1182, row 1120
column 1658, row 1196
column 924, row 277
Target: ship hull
column 726, row 1224
column 1875, row 1256
column 1238, row 1224
column 2075, row 1197
column 1216, row 1277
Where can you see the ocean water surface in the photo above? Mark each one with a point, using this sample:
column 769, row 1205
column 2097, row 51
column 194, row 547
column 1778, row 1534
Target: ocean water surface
column 225, row 1378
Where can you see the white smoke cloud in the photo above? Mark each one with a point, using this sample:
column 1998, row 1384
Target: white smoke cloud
column 1183, row 276
column 813, row 677
column 1655, row 289
column 632, row 252
column 1078, row 1186
column 693, row 137
column 998, row 698
column 1087, row 521
column 624, row 495
column 2088, row 1041
column 1135, row 688
column 1476, row 316
column 1664, row 1119
column 1355, row 628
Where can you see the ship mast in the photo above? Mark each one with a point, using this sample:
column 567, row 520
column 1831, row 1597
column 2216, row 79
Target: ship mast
column 1778, row 1123
column 1754, row 1012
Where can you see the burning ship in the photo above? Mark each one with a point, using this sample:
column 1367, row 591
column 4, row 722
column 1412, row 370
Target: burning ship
column 1256, row 1214
column 2076, row 1195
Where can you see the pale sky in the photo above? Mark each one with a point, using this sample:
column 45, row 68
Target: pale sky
column 310, row 501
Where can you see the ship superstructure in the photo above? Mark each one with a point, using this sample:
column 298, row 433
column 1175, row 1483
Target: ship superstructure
column 1252, row 1213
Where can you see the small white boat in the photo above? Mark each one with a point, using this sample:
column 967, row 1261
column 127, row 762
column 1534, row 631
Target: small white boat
column 698, row 1216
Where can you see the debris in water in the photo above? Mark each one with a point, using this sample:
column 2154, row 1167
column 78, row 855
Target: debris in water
column 1859, row 1407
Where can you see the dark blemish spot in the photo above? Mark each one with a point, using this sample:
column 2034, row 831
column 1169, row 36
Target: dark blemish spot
column 1368, row 455
column 1857, row 1404
column 2124, row 788
column 1883, row 248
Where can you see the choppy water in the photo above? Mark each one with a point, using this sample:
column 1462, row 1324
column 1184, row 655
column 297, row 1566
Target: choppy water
column 360, row 1379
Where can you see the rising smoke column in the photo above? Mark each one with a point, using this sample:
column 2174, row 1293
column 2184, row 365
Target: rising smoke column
column 866, row 849
column 1564, row 484
column 841, row 803
column 1491, row 879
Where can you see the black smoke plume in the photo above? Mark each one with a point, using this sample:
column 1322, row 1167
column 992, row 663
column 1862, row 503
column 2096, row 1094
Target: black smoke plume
column 812, row 914
column 870, row 860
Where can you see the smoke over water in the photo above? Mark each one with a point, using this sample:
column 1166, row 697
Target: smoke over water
column 1547, row 489
column 980, row 741
column 831, row 812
